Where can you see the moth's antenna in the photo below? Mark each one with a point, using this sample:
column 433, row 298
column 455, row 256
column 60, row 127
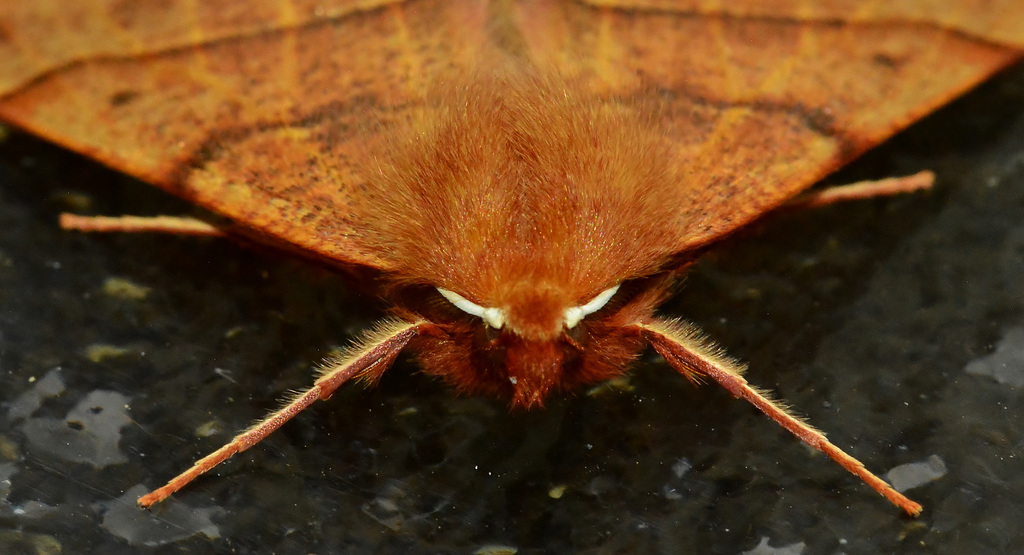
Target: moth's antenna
column 686, row 350
column 368, row 358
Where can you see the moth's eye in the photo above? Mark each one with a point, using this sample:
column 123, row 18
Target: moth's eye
column 574, row 314
column 493, row 317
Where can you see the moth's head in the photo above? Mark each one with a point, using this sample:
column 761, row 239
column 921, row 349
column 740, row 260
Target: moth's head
column 530, row 345
column 535, row 312
column 542, row 343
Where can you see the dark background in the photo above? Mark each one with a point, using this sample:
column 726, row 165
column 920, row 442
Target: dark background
column 894, row 325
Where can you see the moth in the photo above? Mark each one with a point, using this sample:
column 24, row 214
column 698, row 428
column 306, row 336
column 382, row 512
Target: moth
column 529, row 178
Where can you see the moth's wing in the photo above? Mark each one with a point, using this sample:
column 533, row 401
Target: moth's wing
column 759, row 100
column 253, row 110
column 258, row 110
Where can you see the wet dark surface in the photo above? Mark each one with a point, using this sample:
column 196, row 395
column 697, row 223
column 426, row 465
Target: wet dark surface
column 896, row 326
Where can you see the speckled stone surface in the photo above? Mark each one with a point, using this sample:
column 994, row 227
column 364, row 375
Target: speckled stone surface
column 895, row 325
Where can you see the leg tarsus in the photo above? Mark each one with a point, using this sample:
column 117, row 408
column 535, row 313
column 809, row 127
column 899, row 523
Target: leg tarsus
column 137, row 224
column 863, row 190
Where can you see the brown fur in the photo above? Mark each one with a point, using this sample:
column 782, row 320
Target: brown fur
column 521, row 193
column 518, row 192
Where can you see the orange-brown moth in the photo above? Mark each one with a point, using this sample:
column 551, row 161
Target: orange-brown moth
column 528, row 177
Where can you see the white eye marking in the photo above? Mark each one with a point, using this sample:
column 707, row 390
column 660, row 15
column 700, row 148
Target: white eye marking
column 574, row 314
column 493, row 317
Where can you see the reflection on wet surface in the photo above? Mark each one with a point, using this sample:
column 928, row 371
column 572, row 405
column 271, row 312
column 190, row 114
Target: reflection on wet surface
column 90, row 433
column 912, row 475
column 170, row 522
column 1006, row 364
